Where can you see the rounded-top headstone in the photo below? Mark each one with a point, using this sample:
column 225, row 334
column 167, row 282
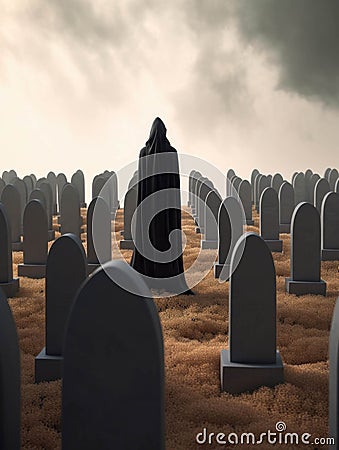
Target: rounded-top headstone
column 99, row 240
column 269, row 214
column 322, row 187
column 330, row 222
column 10, row 197
column 286, row 203
column 277, row 181
column 35, row 243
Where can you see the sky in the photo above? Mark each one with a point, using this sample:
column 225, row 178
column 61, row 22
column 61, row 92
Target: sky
column 242, row 84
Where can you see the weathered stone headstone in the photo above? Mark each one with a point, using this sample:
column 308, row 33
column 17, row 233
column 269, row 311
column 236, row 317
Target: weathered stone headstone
column 293, row 178
column 230, row 228
column 99, row 234
column 2, row 185
column 286, row 207
column 332, row 178
column 113, row 382
column 236, row 183
column 322, row 187
column 330, row 227
column 305, row 252
column 311, row 187
column 327, row 172
column 263, row 183
column 308, row 177
column 252, row 360
column 66, row 270
column 5, row 177
column 35, row 243
column 61, row 181
column 269, row 219
column 27, row 179
column 22, row 189
column 299, row 186
column 230, row 174
column 277, row 181
column 52, row 179
column 130, row 204
column 78, row 180
column 193, row 195
column 254, row 173
column 37, row 194
column 9, row 285
column 256, row 189
column 9, row 379
column 213, row 202
column 70, row 218
column 10, row 197
column 334, row 378
column 47, row 190
column 198, row 183
column 245, row 195
column 204, row 190
column 33, row 179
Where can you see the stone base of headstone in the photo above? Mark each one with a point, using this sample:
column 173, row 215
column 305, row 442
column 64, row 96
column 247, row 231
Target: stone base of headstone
column 127, row 244
column 32, row 270
column 17, row 246
column 285, row 228
column 91, row 267
column 47, row 367
column 209, row 245
column 249, row 222
column 237, row 378
column 305, row 287
column 328, row 254
column 218, row 268
column 10, row 288
column 275, row 245
column 51, row 235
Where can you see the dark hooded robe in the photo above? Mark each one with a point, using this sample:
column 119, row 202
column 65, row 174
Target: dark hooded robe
column 158, row 242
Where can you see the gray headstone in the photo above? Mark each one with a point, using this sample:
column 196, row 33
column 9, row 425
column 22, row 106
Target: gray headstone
column 130, row 204
column 52, row 179
column 21, row 187
column 305, row 252
column 322, row 187
column 2, row 185
column 40, row 181
column 66, row 270
column 299, row 186
column 37, row 194
column 27, row 179
column 99, row 233
column 33, row 179
column 252, row 360
column 5, row 176
column 204, row 190
column 70, row 218
column 330, row 227
column 230, row 229
column 9, row 285
column 78, row 180
column 308, row 194
column 336, row 186
column 236, row 183
column 230, row 174
column 256, row 188
column 47, row 190
column 9, row 379
column 286, row 207
column 311, row 187
column 245, row 195
column 263, row 183
column 190, row 178
column 213, row 202
column 334, row 378
column 254, row 173
column 113, row 383
column 35, row 243
column 277, row 181
column 332, row 178
column 269, row 219
column 11, row 175
column 61, row 181
column 10, row 197
column 293, row 178
column 197, row 175
column 327, row 173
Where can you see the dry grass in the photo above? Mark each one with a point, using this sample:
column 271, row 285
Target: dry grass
column 195, row 330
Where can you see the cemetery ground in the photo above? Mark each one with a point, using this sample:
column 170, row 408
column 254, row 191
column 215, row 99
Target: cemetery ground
column 195, row 330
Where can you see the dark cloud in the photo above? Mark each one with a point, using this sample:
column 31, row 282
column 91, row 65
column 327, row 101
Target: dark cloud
column 301, row 37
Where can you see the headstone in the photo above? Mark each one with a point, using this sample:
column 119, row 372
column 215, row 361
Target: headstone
column 230, row 174
column 27, row 179
column 230, row 229
column 47, row 190
column 40, row 181
column 269, row 219
column 35, row 244
column 113, row 383
column 308, row 177
column 311, row 187
column 277, row 181
column 2, row 185
column 66, row 270
column 245, row 195
column 332, row 178
column 9, row 379
column 252, row 360
column 334, row 378
column 299, row 188
column 256, row 189
column 190, row 178
column 52, row 179
column 286, row 207
column 264, row 182
column 322, row 187
column 336, row 186
column 213, row 202
column 10, row 197
column 305, row 252
column 11, row 175
column 197, row 175
column 236, row 183
column 78, row 180
column 197, row 218
column 99, row 234
column 70, row 218
column 293, row 178
column 327, row 173
column 9, row 285
column 205, row 188
column 37, row 194
column 61, row 181
column 33, row 179
column 196, row 197
column 254, row 173
column 22, row 189
column 130, row 204
column 330, row 227
column 5, row 176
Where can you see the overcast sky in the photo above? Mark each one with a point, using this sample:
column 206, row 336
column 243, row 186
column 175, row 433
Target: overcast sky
column 243, row 84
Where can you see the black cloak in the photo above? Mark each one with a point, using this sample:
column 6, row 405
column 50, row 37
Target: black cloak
column 158, row 243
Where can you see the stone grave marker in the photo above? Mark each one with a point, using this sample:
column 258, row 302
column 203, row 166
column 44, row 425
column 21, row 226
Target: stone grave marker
column 277, row 181
column 47, row 190
column 9, row 285
column 322, row 187
column 130, row 204
column 254, row 173
column 286, row 207
column 330, row 227
column 52, row 179
column 78, row 180
column 213, row 202
column 70, row 218
column 10, row 197
column 269, row 219
column 245, row 195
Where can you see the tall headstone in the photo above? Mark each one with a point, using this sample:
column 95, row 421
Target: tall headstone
column 52, row 179
column 334, row 379
column 322, row 187
column 61, row 181
column 286, row 207
column 327, row 173
column 47, row 190
column 245, row 196
column 311, row 187
column 256, row 189
column 230, row 174
column 252, row 360
column 230, row 229
column 130, row 204
column 5, row 177
column 299, row 186
column 204, row 190
column 27, row 179
column 197, row 175
column 78, row 180
column 99, row 234
column 190, row 178
column 332, row 178
column 9, row 285
column 10, row 197
column 305, row 252
column 236, row 183
column 35, row 244
column 9, row 379
column 113, row 381
column 277, row 181
column 254, row 173
column 2, row 185
column 269, row 219
column 213, row 202
column 308, row 177
column 66, row 270
column 11, row 175
column 70, row 218
column 263, row 183
column 330, row 227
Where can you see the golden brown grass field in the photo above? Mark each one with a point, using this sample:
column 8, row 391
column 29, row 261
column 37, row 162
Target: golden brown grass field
column 195, row 330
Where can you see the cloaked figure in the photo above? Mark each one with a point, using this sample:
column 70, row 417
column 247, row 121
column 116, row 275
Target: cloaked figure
column 157, row 228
